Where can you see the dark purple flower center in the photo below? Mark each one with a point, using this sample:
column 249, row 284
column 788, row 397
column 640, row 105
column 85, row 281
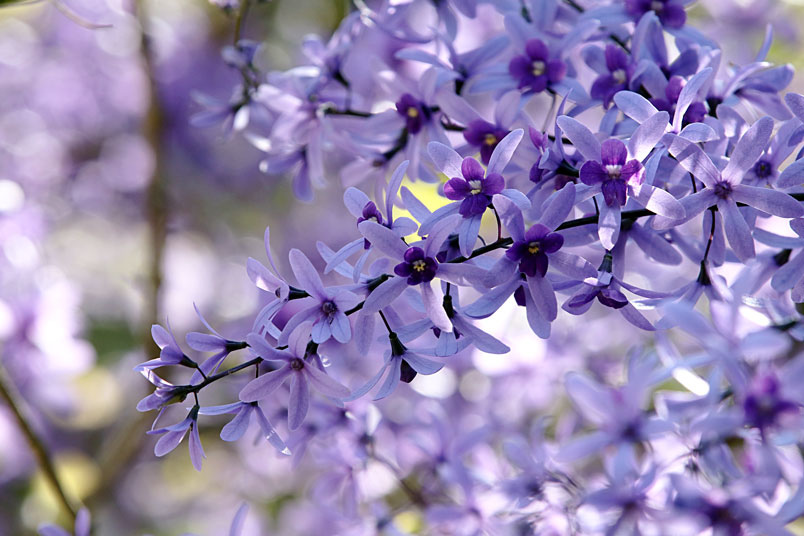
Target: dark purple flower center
column 722, row 189
column 764, row 403
column 413, row 111
column 613, row 172
column 417, row 267
column 328, row 307
column 484, row 135
column 531, row 253
column 670, row 12
column 534, row 70
column 296, row 363
column 763, row 169
column 474, row 188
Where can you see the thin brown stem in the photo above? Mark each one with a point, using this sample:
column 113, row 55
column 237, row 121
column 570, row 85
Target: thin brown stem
column 37, row 446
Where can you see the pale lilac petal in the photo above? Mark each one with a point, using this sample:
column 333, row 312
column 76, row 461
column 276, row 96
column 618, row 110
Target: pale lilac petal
column 481, row 340
column 795, row 102
column 737, row 231
column 608, row 227
column 698, row 133
column 693, row 205
column 344, row 253
column 438, row 215
column 433, row 298
column 325, row 385
column 340, row 327
column 235, row 428
column 583, row 447
column 468, row 233
column 689, row 95
column 321, row 331
column 439, row 234
column 647, row 135
column 655, row 246
column 392, row 380
column 657, row 200
column 299, row 401
column 793, row 175
column 221, row 410
column 581, row 137
column 767, row 200
column 459, row 273
column 445, row 158
column 492, row 300
column 261, row 387
column 369, row 385
column 303, row 316
column 204, row 342
column 385, row 294
column 511, row 216
column 422, row 365
column 543, row 296
column 196, row 450
column 788, row 275
column 306, row 274
column 559, row 206
column 239, row 520
column 364, row 331
column 383, row 239
column 502, row 271
column 572, row 265
column 631, row 314
column 161, row 336
column 635, row 106
column 539, row 325
column 591, row 399
column 169, row 441
column 504, row 151
column 393, row 188
column 447, row 344
column 270, row 434
column 748, row 150
column 355, row 200
column 261, row 347
column 693, row 159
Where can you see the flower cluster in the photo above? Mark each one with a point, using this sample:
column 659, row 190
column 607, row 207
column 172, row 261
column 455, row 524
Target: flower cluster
column 655, row 172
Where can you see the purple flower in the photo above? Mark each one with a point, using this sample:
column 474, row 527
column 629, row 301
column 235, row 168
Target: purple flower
column 613, row 173
column 484, row 135
column 170, row 351
column 534, row 70
column 475, row 188
column 416, row 267
column 618, row 77
column 361, row 207
column 670, row 12
column 531, row 253
column 328, row 309
column 608, row 170
column 724, row 190
column 415, row 112
column 419, row 264
column 303, row 369
column 175, row 434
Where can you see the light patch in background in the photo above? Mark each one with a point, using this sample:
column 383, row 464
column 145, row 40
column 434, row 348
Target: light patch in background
column 439, row 385
column 97, row 399
column 510, row 325
column 11, row 196
column 474, row 386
